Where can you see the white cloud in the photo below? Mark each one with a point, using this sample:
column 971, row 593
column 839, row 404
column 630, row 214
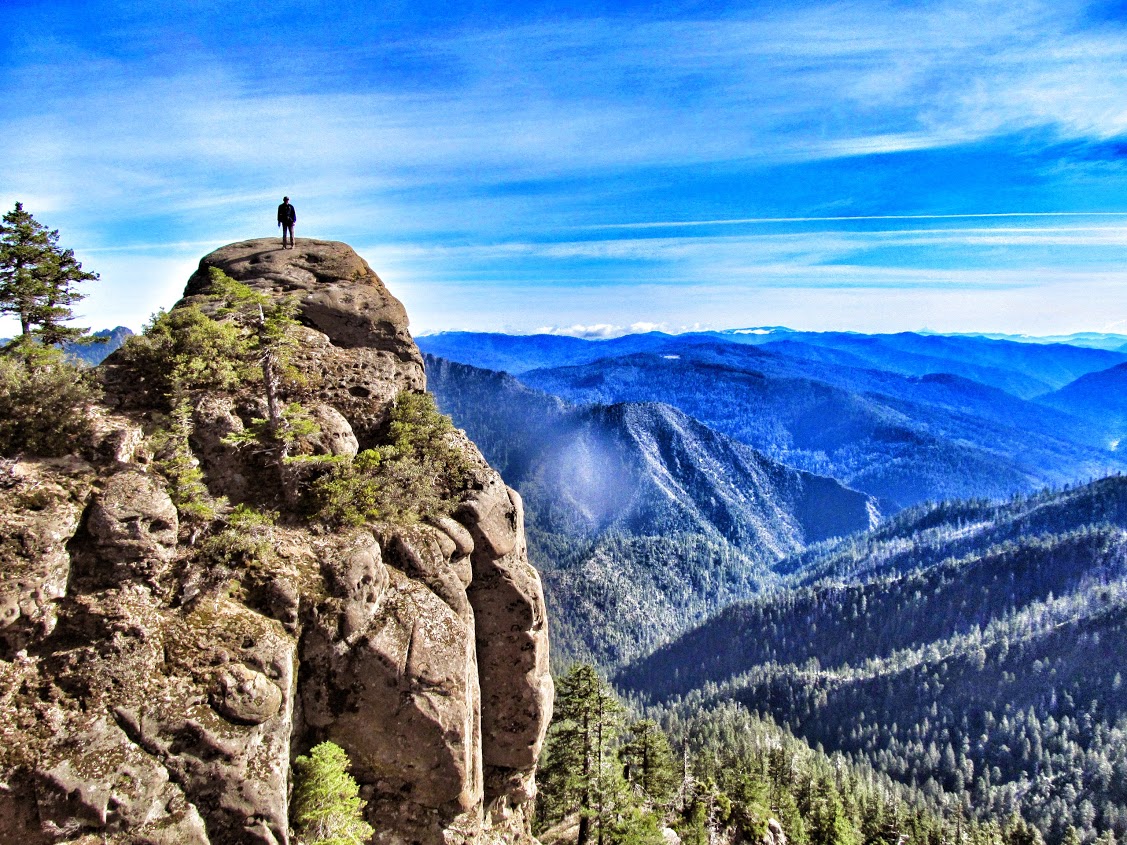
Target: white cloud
column 596, row 332
column 827, row 80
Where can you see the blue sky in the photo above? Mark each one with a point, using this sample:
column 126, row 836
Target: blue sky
column 594, row 167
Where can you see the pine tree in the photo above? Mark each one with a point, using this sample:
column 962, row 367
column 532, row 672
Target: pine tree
column 37, row 280
column 648, row 761
column 826, row 819
column 326, row 807
column 580, row 773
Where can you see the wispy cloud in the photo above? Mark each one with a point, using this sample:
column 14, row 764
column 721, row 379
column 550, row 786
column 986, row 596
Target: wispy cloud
column 742, row 221
column 526, row 101
column 602, row 331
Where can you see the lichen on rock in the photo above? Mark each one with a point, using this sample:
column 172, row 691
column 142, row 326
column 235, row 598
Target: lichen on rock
column 162, row 664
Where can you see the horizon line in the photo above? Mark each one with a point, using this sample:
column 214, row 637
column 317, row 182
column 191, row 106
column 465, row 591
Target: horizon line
column 624, row 331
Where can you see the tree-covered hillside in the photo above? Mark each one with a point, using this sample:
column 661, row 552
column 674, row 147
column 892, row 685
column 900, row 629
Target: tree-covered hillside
column 907, row 417
column 965, row 648
column 720, row 774
column 1024, row 370
column 1098, row 398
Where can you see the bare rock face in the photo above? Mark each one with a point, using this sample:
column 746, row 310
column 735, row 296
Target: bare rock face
column 134, row 526
column 154, row 689
column 42, row 502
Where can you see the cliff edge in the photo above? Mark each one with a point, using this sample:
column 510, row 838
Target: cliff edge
column 156, row 684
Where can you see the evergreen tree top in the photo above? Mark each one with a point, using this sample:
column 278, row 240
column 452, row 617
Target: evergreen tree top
column 38, row 280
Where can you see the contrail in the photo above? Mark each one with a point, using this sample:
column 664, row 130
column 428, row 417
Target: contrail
column 667, row 224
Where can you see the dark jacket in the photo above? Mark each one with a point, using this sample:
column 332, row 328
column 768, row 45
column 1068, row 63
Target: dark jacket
column 287, row 214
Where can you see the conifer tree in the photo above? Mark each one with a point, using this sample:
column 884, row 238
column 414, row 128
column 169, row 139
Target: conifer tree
column 648, row 761
column 38, row 279
column 580, row 772
column 326, row 807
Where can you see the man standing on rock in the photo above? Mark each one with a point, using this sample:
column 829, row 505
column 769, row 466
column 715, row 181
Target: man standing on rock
column 287, row 216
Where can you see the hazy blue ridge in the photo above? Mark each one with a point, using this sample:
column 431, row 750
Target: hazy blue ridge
column 636, row 512
column 904, row 439
column 951, row 549
column 1023, row 369
column 1098, row 398
column 106, row 341
column 518, row 353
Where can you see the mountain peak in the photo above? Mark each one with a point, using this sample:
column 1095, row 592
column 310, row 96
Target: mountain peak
column 339, row 294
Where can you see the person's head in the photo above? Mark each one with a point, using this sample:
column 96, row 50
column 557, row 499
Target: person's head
column 285, row 199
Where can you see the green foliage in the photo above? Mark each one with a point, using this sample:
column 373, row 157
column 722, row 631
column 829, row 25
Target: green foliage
column 579, row 772
column 221, row 348
column 620, row 782
column 238, row 339
column 636, row 826
column 415, row 472
column 43, row 397
column 278, row 436
column 268, row 322
column 245, row 541
column 43, row 403
column 176, row 462
column 963, row 648
column 648, row 762
column 741, row 774
column 744, row 771
column 326, row 807
column 37, row 279
column 184, row 350
column 244, row 544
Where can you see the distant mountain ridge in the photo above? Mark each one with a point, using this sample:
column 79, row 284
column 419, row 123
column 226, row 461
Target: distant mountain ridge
column 904, row 439
column 696, row 518
column 103, row 343
column 906, row 417
column 1020, row 368
column 1098, row 398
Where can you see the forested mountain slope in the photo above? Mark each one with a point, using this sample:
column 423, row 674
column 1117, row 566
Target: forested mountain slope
column 641, row 518
column 1100, row 399
column 903, row 439
column 967, row 647
column 1024, row 370
column 517, row 353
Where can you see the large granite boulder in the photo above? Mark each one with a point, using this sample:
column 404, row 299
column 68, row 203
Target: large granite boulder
column 156, row 679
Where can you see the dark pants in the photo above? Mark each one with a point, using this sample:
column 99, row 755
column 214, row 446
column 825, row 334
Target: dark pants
column 287, row 227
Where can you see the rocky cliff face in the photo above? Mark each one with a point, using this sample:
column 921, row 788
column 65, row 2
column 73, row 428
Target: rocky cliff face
column 137, row 706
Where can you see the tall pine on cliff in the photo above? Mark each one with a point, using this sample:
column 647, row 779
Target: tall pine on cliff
column 38, row 279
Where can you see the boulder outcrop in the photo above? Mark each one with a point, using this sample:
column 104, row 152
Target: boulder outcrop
column 156, row 684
